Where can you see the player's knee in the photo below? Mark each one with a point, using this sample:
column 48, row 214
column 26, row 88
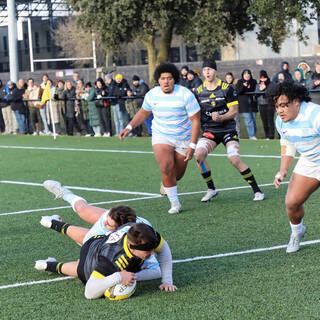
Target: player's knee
column 292, row 205
column 200, row 155
column 80, row 205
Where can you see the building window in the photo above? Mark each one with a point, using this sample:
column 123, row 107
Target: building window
column 37, row 65
column 26, row 43
column 174, row 54
column 36, row 42
column 192, row 54
column 5, row 46
column 48, row 41
column 144, row 56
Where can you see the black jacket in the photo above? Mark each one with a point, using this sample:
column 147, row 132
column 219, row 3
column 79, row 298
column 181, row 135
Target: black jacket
column 247, row 103
column 67, row 96
column 120, row 90
column 15, row 97
column 139, row 92
column 3, row 93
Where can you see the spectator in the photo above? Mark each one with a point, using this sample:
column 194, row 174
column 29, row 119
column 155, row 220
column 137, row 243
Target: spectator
column 82, row 111
column 247, row 104
column 265, row 106
column 58, row 96
column 7, row 111
column 33, row 93
column 307, row 73
column 183, row 76
column 43, row 109
column 315, row 84
column 54, row 109
column 69, row 95
column 94, row 119
column 3, row 104
column 280, row 77
column 76, row 78
column 138, row 91
column 285, row 70
column 119, row 108
column 231, row 80
column 15, row 98
column 299, row 78
column 109, row 88
column 193, row 81
column 103, row 108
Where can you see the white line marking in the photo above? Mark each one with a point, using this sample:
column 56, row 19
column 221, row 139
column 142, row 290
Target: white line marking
column 221, row 255
column 81, row 188
column 124, row 200
column 130, row 151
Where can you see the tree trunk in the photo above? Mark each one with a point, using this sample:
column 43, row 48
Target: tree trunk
column 151, row 49
column 165, row 44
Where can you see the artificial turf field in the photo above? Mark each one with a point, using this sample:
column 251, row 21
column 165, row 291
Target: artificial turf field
column 239, row 270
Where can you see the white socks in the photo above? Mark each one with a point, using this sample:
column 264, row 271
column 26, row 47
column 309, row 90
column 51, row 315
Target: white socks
column 172, row 193
column 72, row 199
column 296, row 228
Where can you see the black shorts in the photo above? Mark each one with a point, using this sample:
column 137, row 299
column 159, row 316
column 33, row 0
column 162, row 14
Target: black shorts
column 83, row 256
column 223, row 137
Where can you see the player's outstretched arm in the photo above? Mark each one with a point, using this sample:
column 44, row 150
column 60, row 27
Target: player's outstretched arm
column 165, row 261
column 138, row 119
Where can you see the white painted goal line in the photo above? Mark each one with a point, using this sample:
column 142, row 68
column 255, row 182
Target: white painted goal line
column 152, row 195
column 216, row 256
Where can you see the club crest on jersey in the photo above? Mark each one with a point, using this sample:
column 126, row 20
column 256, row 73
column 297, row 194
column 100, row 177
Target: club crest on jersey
column 117, row 235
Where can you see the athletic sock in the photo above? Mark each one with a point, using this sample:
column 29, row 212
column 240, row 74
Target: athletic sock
column 208, row 179
column 59, row 226
column 54, row 266
column 172, row 193
column 249, row 177
column 296, row 228
column 72, row 199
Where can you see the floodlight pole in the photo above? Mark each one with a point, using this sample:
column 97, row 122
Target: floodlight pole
column 30, row 45
column 12, row 36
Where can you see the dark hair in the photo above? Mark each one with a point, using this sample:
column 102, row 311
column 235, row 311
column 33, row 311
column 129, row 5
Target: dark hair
column 122, row 215
column 141, row 233
column 30, row 79
column 88, row 84
column 167, row 67
column 288, row 88
column 209, row 63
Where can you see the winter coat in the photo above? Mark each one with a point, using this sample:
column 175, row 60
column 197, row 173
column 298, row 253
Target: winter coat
column 94, row 119
column 120, row 90
column 287, row 74
column 139, row 92
column 195, row 83
column 3, row 93
column 315, row 96
column 247, row 103
column 15, row 98
column 302, row 80
column 69, row 104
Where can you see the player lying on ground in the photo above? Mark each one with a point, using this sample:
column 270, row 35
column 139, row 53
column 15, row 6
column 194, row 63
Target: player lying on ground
column 298, row 123
column 106, row 261
column 104, row 222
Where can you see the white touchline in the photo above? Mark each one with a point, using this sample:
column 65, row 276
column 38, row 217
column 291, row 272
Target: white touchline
column 152, row 196
column 220, row 255
column 130, row 151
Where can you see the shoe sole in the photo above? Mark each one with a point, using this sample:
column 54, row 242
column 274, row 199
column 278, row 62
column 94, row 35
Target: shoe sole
column 210, row 198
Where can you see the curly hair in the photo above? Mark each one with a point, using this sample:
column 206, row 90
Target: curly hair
column 290, row 89
column 122, row 215
column 167, row 67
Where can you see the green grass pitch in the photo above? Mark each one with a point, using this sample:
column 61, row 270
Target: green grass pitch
column 266, row 284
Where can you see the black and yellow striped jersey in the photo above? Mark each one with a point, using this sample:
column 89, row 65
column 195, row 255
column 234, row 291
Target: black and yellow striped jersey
column 104, row 255
column 218, row 100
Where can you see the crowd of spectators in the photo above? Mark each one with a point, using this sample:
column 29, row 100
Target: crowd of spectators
column 76, row 107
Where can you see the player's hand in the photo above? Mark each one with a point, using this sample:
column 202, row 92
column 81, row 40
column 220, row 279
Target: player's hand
column 127, row 278
column 189, row 154
column 278, row 178
column 215, row 116
column 168, row 287
column 123, row 134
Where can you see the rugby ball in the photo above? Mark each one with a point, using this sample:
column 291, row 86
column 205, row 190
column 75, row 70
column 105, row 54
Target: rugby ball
column 120, row 291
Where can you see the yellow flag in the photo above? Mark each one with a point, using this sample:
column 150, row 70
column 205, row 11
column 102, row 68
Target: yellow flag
column 46, row 94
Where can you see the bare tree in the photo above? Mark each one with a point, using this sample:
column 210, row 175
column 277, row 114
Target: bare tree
column 75, row 42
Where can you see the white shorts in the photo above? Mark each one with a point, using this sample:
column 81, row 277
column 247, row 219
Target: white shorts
column 180, row 146
column 305, row 167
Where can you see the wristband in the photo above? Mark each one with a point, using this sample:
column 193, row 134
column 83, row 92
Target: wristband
column 192, row 145
column 129, row 127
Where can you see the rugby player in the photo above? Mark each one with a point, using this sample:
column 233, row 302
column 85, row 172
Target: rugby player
column 298, row 123
column 109, row 260
column 175, row 128
column 104, row 222
column 219, row 107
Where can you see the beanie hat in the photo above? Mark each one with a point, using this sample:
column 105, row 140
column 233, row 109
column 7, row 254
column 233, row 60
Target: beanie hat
column 135, row 78
column 118, row 76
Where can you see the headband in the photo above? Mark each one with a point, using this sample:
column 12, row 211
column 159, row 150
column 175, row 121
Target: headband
column 210, row 64
column 144, row 247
